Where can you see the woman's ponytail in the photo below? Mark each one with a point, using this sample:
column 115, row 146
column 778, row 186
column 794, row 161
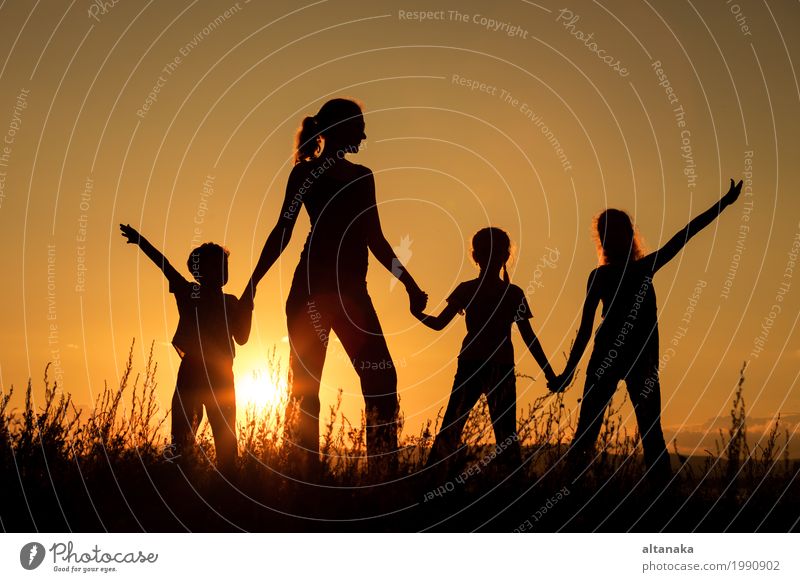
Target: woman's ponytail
column 506, row 278
column 306, row 141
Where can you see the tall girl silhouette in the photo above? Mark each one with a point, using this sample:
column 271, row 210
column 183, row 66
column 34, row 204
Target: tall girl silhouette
column 626, row 342
column 329, row 288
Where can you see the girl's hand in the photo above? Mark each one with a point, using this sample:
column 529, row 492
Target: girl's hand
column 733, row 193
column 130, row 233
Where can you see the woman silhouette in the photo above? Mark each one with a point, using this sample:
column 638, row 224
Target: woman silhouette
column 329, row 288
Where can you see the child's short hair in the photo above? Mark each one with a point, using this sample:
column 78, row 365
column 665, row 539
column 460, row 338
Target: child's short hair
column 616, row 237
column 209, row 261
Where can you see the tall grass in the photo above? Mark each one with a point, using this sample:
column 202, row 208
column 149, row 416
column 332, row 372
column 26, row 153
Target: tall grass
column 110, row 468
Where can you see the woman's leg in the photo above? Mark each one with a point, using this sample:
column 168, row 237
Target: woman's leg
column 501, row 394
column 467, row 389
column 309, row 331
column 644, row 389
column 357, row 326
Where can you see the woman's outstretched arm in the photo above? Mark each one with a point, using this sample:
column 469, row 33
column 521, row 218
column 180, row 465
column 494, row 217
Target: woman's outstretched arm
column 384, row 252
column 666, row 253
column 584, row 333
column 281, row 233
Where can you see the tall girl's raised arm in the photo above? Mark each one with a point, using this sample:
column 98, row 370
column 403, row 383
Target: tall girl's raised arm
column 666, row 253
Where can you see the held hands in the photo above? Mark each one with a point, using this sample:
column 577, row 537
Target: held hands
column 560, row 382
column 418, row 300
column 733, row 193
column 130, row 233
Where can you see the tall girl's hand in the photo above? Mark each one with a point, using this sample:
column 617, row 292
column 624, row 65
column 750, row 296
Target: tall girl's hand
column 732, row 194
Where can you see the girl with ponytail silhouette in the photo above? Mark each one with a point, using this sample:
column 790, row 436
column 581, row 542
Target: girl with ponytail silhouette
column 486, row 361
column 329, row 288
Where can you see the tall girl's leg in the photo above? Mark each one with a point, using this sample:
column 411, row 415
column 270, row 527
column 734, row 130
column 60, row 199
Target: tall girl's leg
column 644, row 389
column 597, row 394
column 308, row 332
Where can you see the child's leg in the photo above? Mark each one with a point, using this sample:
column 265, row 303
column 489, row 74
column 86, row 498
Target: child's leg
column 597, row 394
column 645, row 392
column 467, row 389
column 309, row 331
column 187, row 406
column 501, row 394
column 357, row 326
column 220, row 406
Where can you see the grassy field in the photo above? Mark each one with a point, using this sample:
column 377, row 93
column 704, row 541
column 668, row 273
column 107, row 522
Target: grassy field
column 110, row 469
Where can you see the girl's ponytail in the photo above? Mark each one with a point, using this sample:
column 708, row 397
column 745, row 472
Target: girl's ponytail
column 306, row 141
column 506, row 278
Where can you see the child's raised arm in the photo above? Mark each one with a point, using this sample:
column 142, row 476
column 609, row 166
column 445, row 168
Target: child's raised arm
column 535, row 347
column 133, row 237
column 584, row 333
column 437, row 322
column 666, row 253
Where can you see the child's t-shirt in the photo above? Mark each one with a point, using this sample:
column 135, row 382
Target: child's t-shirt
column 207, row 318
column 490, row 308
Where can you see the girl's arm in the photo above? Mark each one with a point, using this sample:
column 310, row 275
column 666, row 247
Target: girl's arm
column 666, row 253
column 535, row 347
column 584, row 333
column 152, row 253
column 281, row 233
column 383, row 251
column 437, row 322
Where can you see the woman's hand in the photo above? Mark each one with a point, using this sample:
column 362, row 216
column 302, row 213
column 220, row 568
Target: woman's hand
column 418, row 300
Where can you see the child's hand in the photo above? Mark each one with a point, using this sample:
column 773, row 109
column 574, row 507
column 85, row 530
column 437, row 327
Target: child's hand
column 130, row 233
column 732, row 194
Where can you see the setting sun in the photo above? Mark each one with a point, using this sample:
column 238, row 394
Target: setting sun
column 260, row 389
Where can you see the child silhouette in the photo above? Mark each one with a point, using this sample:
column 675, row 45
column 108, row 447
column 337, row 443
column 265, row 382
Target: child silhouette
column 626, row 342
column 209, row 321
column 486, row 360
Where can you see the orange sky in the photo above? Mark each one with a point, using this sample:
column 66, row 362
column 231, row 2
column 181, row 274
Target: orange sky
column 179, row 117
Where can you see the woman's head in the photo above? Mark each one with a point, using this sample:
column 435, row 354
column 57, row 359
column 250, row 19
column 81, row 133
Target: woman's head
column 491, row 249
column 616, row 238
column 338, row 124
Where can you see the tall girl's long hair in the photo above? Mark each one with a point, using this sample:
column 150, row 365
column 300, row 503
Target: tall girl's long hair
column 491, row 246
column 311, row 133
column 616, row 238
